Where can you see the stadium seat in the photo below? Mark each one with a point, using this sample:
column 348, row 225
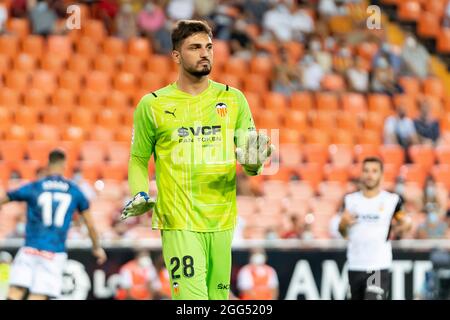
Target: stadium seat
column 443, row 41
column 289, row 136
column 443, row 154
column 343, row 137
column 115, row 170
column 91, row 99
column 380, row 104
column 326, row 101
column 17, row 80
column 294, row 49
column 369, row 137
column 441, row 174
column 348, row 121
column 354, row 103
column 82, row 117
column 86, row 47
column 44, row 81
column 63, row 98
column 24, row 62
column 46, row 133
column 373, row 121
column 9, row 98
column 127, row 117
column 139, row 47
column 26, row 116
column 316, row 153
column 409, row 10
column 311, row 173
column 132, row 64
column 291, row 155
column 106, row 64
column 436, row 7
column 434, row 87
column 61, row 45
column 118, row 152
column 27, row 169
column 411, row 85
column 336, row 173
column 413, row 173
column 428, row 25
column 362, row 151
column 302, row 101
column 300, row 190
column 20, row 27
column 38, row 151
column 333, row 82
column 390, row 173
column 393, row 155
column 93, row 151
column 53, row 62
column 408, row 103
column 17, row 133
column 12, row 152
column 221, row 51
column 322, row 120
column 33, row 45
column 36, row 99
column 99, row 133
column 265, row 119
column 94, row 30
column 79, row 64
column 254, row 83
column 151, row 81
column 117, row 100
column 262, row 65
column 341, row 155
column 125, row 82
column 123, row 134
column 90, row 170
column 318, row 136
column 422, row 155
column 108, row 118
column 55, row 116
column 6, row 117
column 9, row 45
column 159, row 64
column 295, row 120
column 230, row 79
column 74, row 134
column 275, row 102
column 98, row 81
column 114, row 47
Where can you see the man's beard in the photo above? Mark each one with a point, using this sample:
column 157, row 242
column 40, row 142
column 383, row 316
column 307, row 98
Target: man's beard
column 372, row 185
column 199, row 73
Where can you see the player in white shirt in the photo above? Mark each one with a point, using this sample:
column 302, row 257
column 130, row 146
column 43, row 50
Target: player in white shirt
column 368, row 216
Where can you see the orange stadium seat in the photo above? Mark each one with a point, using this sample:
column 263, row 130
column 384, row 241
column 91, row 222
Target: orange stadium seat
column 434, row 87
column 312, row 174
column 221, row 51
column 290, row 136
column 108, row 118
column 46, row 133
column 74, row 134
column 12, row 152
column 354, row 103
column 428, row 25
column 151, row 81
column 261, row 65
column 26, row 116
column 94, row 30
column 19, row 27
column 17, row 133
column 254, row 101
column 117, row 171
column 443, row 41
column 408, row 103
column 413, row 173
column 295, row 120
column 295, row 49
column 91, row 99
column 99, row 133
column 105, row 63
column 333, row 82
column 17, row 80
column 302, row 101
column 422, row 155
column 117, row 100
column 114, row 47
column 86, row 47
column 381, row 104
column 27, row 169
column 374, row 121
column 93, row 151
column 362, row 151
column 369, row 137
column 238, row 67
column 437, row 7
column 24, row 62
column 230, row 79
column 443, row 154
column 348, row 121
column 299, row 190
column 326, row 101
column 316, row 153
column 441, row 174
column 254, row 83
column 79, row 64
column 125, row 82
column 275, row 102
column 392, row 154
column 39, row 150
column 63, row 98
column 61, row 45
column 409, row 10
column 132, row 64
column 44, row 80
column 90, row 170
column 5, row 64
column 128, row 117
column 336, row 173
column 291, row 155
column 159, row 64
column 70, row 81
column 341, row 155
column 367, row 50
column 411, row 85
column 390, row 173
column 33, row 45
column 53, row 62
column 317, row 136
column 265, row 119
column 118, row 152
column 55, row 116
column 322, row 119
column 9, row 98
column 9, row 45
column 6, row 117
column 82, row 117
column 36, row 98
column 98, row 81
column 140, row 47
column 344, row 137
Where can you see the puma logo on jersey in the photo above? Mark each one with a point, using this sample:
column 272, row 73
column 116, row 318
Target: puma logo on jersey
column 172, row 113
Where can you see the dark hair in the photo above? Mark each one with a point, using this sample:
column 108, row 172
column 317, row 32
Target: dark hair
column 186, row 28
column 374, row 159
column 56, row 156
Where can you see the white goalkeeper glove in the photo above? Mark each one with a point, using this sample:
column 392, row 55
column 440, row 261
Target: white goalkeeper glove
column 140, row 204
column 256, row 151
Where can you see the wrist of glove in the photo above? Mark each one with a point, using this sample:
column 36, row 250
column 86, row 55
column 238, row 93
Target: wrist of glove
column 255, row 152
column 140, row 204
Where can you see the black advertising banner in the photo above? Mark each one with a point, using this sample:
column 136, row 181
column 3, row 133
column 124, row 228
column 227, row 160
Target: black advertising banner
column 312, row 274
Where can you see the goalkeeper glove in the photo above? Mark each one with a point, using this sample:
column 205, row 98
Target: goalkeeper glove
column 255, row 152
column 140, row 204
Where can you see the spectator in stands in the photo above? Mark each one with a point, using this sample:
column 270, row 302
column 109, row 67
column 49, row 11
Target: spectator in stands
column 358, row 76
column 416, row 59
column 427, row 128
column 204, row 8
column 301, row 23
column 399, row 129
column 43, row 18
column 322, row 56
column 311, row 73
column 126, row 22
column 286, row 75
column 277, row 21
column 389, row 52
column 255, row 10
column 271, row 234
column 223, row 20
column 19, row 8
column 152, row 23
column 331, row 8
column 107, row 11
column 164, row 293
column 257, row 280
column 343, row 60
column 241, row 44
column 446, row 18
column 296, row 229
column 3, row 17
column 180, row 9
column 84, row 185
column 433, row 227
column 138, row 278
column 383, row 80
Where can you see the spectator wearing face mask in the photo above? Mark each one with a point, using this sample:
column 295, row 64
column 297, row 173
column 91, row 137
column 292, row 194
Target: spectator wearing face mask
column 311, row 73
column 399, row 129
column 138, row 278
column 416, row 59
column 257, row 280
column 433, row 227
column 427, row 128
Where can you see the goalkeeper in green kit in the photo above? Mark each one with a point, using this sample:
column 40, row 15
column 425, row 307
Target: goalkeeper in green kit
column 196, row 129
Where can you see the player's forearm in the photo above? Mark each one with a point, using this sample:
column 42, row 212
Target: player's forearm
column 138, row 174
column 93, row 235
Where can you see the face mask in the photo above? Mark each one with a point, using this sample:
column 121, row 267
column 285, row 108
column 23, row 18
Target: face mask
column 411, row 42
column 258, row 259
column 432, row 218
column 315, row 46
column 144, row 262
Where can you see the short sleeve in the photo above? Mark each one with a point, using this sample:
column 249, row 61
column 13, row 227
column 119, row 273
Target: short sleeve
column 399, row 212
column 83, row 202
column 21, row 194
column 143, row 137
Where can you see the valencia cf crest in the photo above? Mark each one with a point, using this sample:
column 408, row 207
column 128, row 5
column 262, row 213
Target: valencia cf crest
column 221, row 109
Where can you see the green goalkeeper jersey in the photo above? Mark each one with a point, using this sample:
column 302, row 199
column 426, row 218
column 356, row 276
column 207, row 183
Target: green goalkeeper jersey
column 193, row 141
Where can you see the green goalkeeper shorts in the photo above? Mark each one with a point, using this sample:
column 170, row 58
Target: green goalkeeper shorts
column 199, row 263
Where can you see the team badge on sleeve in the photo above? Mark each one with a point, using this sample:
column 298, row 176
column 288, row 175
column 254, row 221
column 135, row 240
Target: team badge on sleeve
column 221, row 109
